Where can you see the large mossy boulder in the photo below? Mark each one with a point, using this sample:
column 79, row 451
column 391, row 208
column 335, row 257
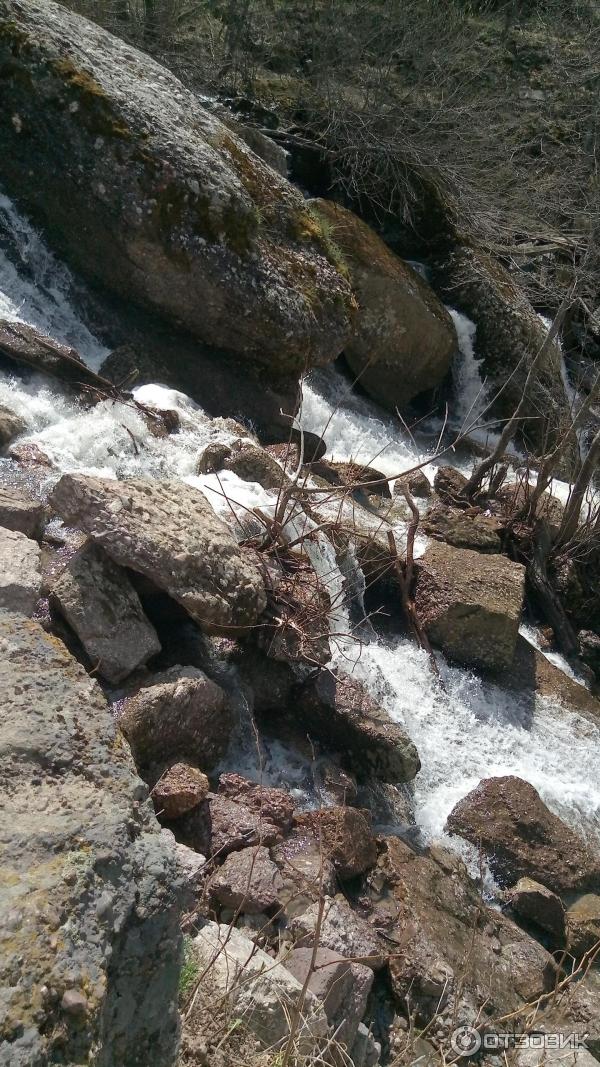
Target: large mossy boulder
column 403, row 339
column 89, row 912
column 151, row 195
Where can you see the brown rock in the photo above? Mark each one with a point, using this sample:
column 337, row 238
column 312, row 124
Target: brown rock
column 11, row 425
column 248, row 881
column 355, row 474
column 178, row 790
column 470, row 604
column 456, row 527
column 300, row 631
column 441, row 923
column 522, row 838
column 583, row 924
column 347, row 838
column 449, row 484
column 273, row 804
column 341, row 987
column 417, row 483
column 20, row 512
column 539, row 905
column 338, row 710
column 404, row 338
column 255, row 464
column 212, row 458
column 306, row 871
column 181, row 714
column 234, row 826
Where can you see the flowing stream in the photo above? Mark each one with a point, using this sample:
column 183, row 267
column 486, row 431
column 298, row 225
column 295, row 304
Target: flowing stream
column 469, row 731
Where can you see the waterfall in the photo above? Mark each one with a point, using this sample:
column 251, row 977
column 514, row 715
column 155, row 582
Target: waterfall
column 469, row 731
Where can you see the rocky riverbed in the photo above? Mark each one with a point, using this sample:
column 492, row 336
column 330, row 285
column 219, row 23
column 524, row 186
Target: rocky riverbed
column 295, row 769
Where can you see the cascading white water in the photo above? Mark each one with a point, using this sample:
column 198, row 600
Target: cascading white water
column 472, row 730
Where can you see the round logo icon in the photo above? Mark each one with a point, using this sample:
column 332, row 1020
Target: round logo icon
column 465, row 1041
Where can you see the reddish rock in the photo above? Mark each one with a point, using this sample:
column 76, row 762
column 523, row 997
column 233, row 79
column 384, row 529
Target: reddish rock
column 522, row 838
column 178, row 790
column 234, row 826
column 449, row 485
column 532, row 901
column 348, row 840
column 307, row 873
column 273, row 804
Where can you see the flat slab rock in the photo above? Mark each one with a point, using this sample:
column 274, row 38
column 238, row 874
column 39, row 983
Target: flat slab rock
column 89, row 911
column 522, row 838
column 470, row 604
column 20, row 572
column 20, row 512
column 168, row 532
column 99, row 602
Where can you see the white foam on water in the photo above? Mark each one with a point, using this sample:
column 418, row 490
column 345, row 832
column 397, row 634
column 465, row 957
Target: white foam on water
column 471, row 731
column 36, row 288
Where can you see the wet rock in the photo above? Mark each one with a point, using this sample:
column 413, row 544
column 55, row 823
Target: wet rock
column 531, row 672
column 534, row 902
column 274, row 804
column 589, row 644
column 213, row 458
column 22, row 513
column 306, row 871
column 332, row 781
column 404, row 338
column 449, row 484
column 90, row 908
column 168, row 532
column 352, row 474
column 20, row 573
column 254, row 464
column 463, row 530
column 11, row 425
column 417, row 483
column 522, row 838
column 181, row 714
column 99, row 602
column 182, row 215
column 338, row 710
column 29, row 455
column 347, row 838
column 262, row 992
column 179, row 789
column 514, row 498
column 341, row 987
column 509, row 335
column 342, row 930
column 248, row 882
column 440, row 923
column 583, row 924
column 470, row 604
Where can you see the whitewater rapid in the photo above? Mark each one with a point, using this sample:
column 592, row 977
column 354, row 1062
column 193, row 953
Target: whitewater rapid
column 465, row 732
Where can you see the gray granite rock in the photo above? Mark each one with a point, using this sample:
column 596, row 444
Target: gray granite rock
column 89, row 908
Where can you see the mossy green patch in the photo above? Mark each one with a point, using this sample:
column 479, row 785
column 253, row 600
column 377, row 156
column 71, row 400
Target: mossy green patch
column 189, row 973
column 95, row 108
